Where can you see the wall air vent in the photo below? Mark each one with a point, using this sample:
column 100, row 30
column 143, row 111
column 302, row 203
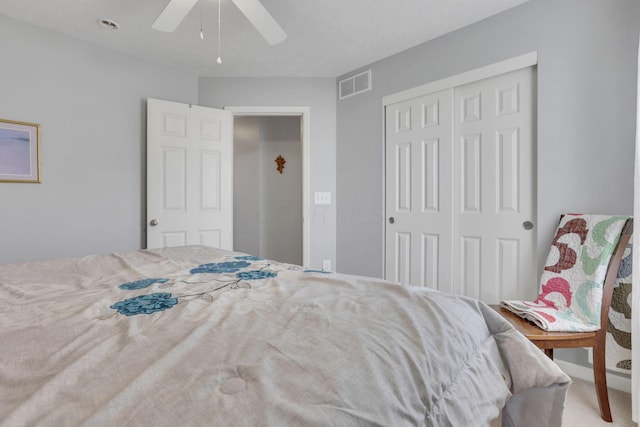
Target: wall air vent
column 355, row 84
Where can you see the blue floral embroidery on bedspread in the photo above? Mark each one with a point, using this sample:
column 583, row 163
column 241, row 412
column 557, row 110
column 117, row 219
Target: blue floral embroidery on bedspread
column 145, row 304
column 141, row 284
column 151, row 303
column 221, row 267
column 255, row 275
column 249, row 258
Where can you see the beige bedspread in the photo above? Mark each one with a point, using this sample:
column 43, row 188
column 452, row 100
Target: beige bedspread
column 195, row 336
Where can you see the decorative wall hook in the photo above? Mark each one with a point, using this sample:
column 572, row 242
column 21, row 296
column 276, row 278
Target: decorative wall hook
column 280, row 161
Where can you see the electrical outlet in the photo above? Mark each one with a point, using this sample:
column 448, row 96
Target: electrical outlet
column 326, row 265
column 322, row 198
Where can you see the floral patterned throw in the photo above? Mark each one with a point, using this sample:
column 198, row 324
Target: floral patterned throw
column 618, row 356
column 572, row 281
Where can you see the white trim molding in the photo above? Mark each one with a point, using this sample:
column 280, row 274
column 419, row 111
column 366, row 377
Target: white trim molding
column 305, row 119
column 616, row 382
column 502, row 67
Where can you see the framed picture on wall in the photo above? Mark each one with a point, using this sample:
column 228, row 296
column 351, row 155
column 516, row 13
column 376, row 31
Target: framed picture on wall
column 19, row 151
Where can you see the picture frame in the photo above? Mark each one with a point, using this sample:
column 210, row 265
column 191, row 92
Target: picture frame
column 19, row 152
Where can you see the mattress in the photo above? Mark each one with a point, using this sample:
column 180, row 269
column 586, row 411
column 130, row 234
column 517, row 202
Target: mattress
column 197, row 336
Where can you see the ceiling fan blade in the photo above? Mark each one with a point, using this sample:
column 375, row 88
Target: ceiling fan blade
column 173, row 14
column 262, row 20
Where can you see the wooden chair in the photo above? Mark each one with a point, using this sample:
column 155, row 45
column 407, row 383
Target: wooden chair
column 547, row 341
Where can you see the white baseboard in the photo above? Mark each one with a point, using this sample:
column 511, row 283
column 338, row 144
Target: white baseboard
column 613, row 381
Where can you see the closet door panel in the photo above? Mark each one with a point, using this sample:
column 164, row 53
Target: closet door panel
column 494, row 187
column 418, row 191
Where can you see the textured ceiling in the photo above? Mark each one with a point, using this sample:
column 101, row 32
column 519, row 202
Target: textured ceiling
column 326, row 38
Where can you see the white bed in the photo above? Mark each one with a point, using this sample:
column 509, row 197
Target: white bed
column 196, row 336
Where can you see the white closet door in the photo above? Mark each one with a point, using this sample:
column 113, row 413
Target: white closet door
column 460, row 189
column 494, row 187
column 418, row 190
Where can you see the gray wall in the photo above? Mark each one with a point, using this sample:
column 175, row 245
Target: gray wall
column 90, row 103
column 246, row 191
column 281, row 194
column 267, row 218
column 587, row 64
column 587, row 52
column 319, row 95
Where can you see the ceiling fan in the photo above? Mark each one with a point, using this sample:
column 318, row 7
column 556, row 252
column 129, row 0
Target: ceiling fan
column 177, row 10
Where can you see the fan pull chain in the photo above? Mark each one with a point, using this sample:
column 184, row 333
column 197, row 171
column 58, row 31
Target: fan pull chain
column 219, row 60
column 201, row 31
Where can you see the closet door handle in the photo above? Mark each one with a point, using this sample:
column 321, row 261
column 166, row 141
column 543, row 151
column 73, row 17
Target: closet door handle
column 153, row 222
column 391, row 220
column 527, row 225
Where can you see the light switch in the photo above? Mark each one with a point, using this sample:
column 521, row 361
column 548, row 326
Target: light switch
column 322, row 198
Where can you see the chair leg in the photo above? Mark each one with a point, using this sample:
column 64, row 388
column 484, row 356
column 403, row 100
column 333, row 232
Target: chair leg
column 600, row 377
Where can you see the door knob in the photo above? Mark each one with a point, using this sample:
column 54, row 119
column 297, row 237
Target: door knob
column 153, row 222
column 391, row 220
column 527, row 225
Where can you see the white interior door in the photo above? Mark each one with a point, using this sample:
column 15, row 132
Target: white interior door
column 460, row 189
column 494, row 183
column 418, row 189
column 189, row 175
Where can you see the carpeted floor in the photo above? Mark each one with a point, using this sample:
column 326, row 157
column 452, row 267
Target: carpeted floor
column 581, row 407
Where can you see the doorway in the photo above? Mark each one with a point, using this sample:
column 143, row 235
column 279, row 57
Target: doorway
column 268, row 187
column 270, row 182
